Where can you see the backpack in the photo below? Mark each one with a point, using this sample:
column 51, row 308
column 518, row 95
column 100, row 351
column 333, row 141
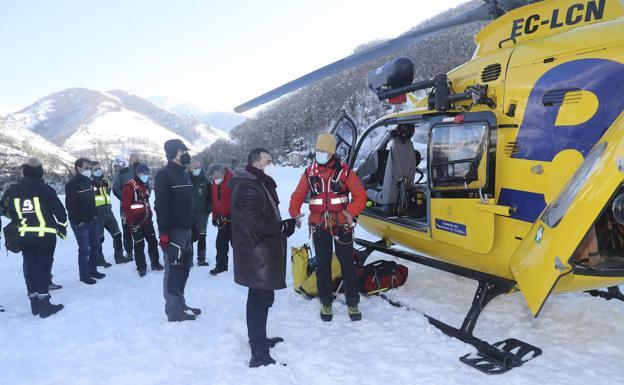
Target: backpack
column 11, row 237
column 303, row 268
column 381, row 276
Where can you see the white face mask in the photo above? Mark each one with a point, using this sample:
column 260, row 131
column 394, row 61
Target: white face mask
column 322, row 157
column 218, row 181
column 196, row 171
column 86, row 173
column 269, row 169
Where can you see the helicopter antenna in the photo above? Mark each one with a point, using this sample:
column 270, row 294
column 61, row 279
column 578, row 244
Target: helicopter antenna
column 488, row 11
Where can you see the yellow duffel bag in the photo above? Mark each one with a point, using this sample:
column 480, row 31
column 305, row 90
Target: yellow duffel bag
column 304, row 275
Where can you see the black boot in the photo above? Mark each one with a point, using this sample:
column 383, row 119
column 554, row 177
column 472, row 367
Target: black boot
column 260, row 357
column 98, row 275
column 46, row 308
column 157, row 266
column 181, row 317
column 120, row 258
column 54, row 286
column 34, row 303
column 194, row 310
column 201, row 257
column 271, row 342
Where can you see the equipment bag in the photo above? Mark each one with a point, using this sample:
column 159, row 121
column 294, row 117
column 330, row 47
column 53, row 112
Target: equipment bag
column 11, row 237
column 304, row 271
column 381, row 276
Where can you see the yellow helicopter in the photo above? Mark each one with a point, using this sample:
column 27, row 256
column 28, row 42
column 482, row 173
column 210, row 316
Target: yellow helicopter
column 523, row 184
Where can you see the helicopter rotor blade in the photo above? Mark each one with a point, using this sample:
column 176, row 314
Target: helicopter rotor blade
column 481, row 13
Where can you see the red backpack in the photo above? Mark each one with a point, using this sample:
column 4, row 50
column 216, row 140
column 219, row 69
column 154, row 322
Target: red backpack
column 381, row 276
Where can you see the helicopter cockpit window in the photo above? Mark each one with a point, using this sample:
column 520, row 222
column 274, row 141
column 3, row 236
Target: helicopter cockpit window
column 344, row 138
column 456, row 155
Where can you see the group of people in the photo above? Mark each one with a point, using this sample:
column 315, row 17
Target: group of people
column 244, row 206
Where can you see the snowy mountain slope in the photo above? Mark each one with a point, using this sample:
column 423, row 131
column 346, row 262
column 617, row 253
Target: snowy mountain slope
column 116, row 332
column 68, row 118
column 223, row 120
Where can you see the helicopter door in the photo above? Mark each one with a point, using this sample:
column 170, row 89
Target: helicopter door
column 346, row 136
column 458, row 179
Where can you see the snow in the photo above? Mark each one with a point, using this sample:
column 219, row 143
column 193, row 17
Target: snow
column 31, row 117
column 116, row 332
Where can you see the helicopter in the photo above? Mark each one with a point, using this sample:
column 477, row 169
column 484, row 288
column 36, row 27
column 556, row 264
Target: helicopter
column 519, row 183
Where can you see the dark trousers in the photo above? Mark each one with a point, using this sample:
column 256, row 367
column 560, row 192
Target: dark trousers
column 88, row 238
column 224, row 238
column 127, row 238
column 323, row 242
column 38, row 254
column 258, row 303
column 178, row 258
column 140, row 235
column 107, row 221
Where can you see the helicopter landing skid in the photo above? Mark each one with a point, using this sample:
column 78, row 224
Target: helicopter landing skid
column 612, row 292
column 495, row 358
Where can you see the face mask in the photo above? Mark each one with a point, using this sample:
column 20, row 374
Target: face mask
column 144, row 178
column 185, row 158
column 322, row 157
column 196, row 172
column 97, row 173
column 269, row 169
column 218, row 181
column 86, row 173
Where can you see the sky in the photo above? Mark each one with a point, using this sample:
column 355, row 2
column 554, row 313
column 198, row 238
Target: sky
column 215, row 54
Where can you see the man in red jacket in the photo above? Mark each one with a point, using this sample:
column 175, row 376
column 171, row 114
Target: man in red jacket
column 221, row 207
column 137, row 213
column 332, row 218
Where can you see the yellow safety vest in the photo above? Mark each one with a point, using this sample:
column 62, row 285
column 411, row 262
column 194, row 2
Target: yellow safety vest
column 101, row 197
column 30, row 207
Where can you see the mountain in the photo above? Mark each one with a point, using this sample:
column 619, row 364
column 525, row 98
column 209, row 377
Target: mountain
column 223, row 120
column 86, row 122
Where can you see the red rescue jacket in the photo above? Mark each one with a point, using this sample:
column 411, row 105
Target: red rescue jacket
column 221, row 205
column 135, row 203
column 329, row 186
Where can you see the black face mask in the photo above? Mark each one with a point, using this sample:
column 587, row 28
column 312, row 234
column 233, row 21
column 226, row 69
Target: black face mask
column 185, row 159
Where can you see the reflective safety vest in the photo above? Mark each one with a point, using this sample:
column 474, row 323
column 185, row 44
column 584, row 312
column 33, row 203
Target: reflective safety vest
column 101, row 195
column 328, row 194
column 31, row 218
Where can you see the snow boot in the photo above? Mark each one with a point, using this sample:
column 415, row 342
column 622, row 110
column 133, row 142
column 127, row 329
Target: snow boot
column 120, row 258
column 104, row 264
column 354, row 313
column 142, row 273
column 326, row 313
column 181, row 317
column 54, row 286
column 88, row 281
column 202, row 262
column 157, row 266
column 217, row 270
column 98, row 275
column 194, row 310
column 261, row 357
column 34, row 303
column 271, row 342
column 46, row 308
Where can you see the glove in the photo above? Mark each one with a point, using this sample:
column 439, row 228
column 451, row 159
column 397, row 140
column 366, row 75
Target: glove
column 61, row 231
column 219, row 222
column 288, row 226
column 164, row 241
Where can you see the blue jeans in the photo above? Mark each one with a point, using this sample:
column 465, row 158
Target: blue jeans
column 88, row 237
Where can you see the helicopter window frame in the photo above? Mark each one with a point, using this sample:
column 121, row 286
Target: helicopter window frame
column 483, row 146
column 345, row 123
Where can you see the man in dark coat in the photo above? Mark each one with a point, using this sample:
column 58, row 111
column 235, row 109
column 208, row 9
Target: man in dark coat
column 174, row 213
column 80, row 205
column 259, row 243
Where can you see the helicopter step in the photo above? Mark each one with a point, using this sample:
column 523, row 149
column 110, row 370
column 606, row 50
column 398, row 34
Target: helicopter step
column 612, row 292
column 496, row 358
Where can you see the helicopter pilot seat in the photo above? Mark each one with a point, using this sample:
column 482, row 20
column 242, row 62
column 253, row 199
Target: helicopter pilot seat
column 400, row 169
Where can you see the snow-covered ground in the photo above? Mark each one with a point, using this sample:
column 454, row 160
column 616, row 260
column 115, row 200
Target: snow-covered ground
column 116, row 332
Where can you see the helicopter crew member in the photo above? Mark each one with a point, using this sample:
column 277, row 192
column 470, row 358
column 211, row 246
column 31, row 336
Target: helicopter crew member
column 80, row 204
column 203, row 206
column 332, row 218
column 174, row 211
column 41, row 217
column 221, row 198
column 106, row 219
column 125, row 173
column 137, row 214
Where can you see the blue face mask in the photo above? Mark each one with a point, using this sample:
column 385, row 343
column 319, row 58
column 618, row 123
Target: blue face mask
column 97, row 173
column 144, row 178
column 322, row 157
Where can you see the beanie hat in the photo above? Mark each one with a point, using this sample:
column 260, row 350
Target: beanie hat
column 172, row 146
column 326, row 143
column 33, row 168
column 142, row 169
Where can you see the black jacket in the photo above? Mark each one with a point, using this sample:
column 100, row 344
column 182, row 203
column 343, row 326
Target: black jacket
column 257, row 240
column 33, row 194
column 80, row 199
column 202, row 193
column 174, row 198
